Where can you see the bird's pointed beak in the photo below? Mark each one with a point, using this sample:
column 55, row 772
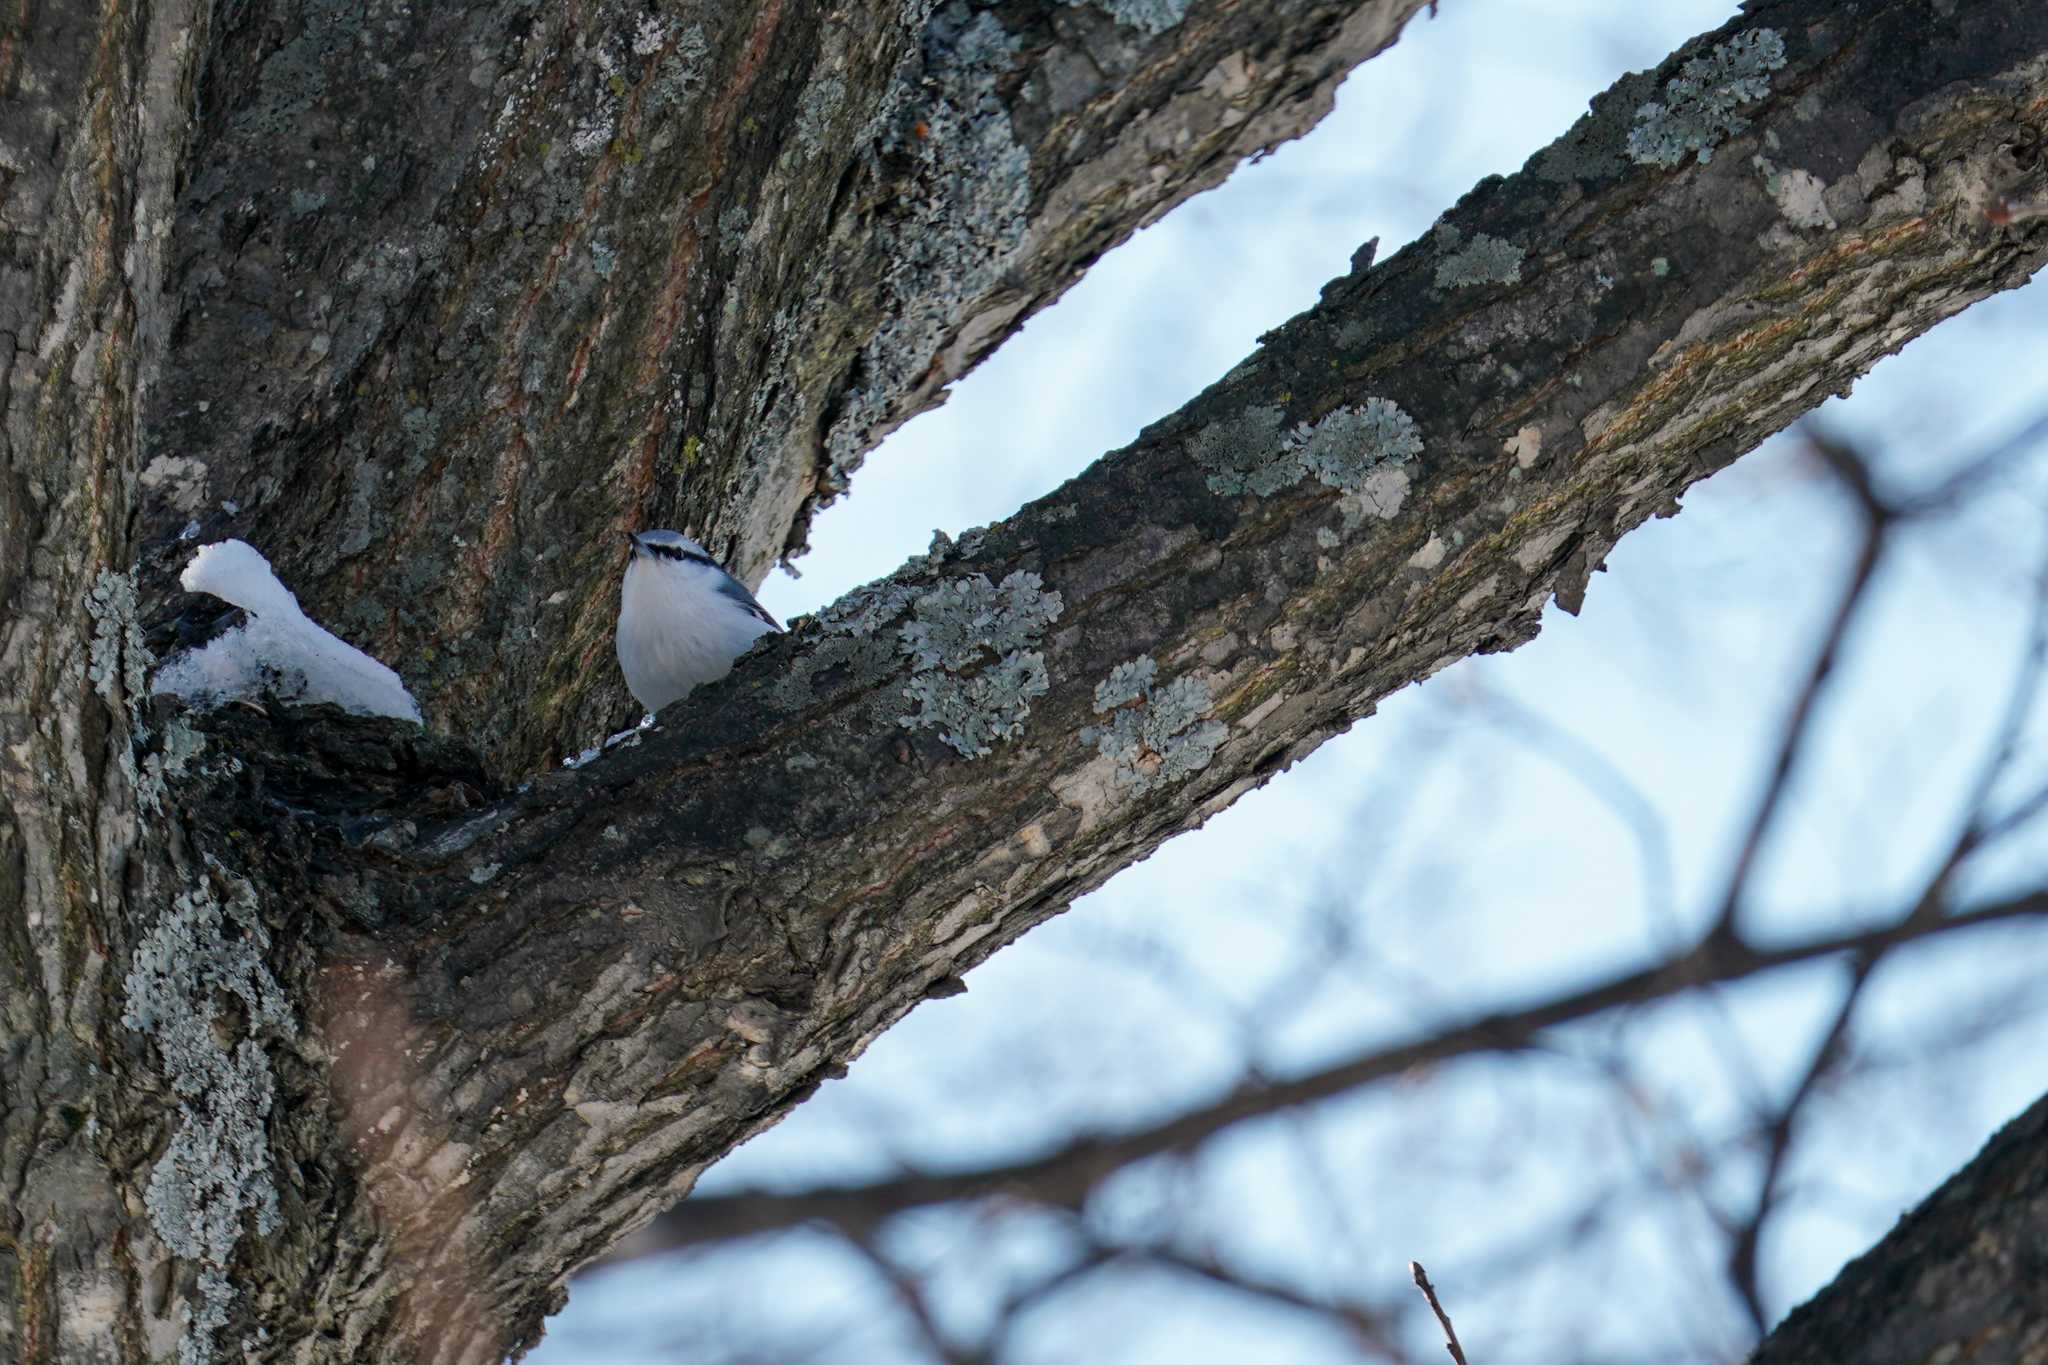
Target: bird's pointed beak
column 633, row 539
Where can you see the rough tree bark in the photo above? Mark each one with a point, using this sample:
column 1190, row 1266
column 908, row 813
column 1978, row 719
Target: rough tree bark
column 1959, row 1278
column 320, row 1033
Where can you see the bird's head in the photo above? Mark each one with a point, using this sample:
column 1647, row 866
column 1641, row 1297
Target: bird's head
column 667, row 546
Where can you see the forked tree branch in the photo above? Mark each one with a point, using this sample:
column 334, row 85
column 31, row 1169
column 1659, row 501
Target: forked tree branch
column 600, row 984
column 464, row 291
column 524, row 1027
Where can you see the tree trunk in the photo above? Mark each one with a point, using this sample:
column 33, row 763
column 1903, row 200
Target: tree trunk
column 1960, row 1278
column 325, row 1042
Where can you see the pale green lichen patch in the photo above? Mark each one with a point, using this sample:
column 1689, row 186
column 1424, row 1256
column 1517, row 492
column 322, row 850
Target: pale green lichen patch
column 1699, row 104
column 1126, row 683
column 974, row 672
column 1147, row 16
column 180, row 746
column 1483, row 260
column 852, row 645
column 961, row 218
column 1349, row 445
column 681, row 73
column 215, row 1175
column 821, row 105
column 1155, row 735
column 1246, row 453
column 118, row 654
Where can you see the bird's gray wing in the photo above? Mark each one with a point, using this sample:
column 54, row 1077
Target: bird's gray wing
column 737, row 591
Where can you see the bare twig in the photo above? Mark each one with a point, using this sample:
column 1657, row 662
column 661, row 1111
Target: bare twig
column 1443, row 1319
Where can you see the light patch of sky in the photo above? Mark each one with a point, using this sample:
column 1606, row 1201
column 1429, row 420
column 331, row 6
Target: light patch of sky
column 1189, row 940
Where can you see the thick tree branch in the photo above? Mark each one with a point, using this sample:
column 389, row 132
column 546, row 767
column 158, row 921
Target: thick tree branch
column 482, row 1034
column 578, row 996
column 92, row 132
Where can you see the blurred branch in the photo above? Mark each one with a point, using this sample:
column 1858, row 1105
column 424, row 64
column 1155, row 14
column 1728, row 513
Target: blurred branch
column 1977, row 470
column 1854, row 472
column 1066, row 1177
column 1980, row 826
column 910, row 1294
column 1606, row 783
column 1363, row 1324
column 1743, row 1271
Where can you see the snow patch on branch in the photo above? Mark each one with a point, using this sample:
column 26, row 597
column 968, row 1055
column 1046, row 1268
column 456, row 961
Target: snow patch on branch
column 280, row 651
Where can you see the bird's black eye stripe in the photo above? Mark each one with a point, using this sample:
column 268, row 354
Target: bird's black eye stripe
column 679, row 553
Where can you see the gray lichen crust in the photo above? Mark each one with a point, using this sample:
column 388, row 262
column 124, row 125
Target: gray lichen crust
column 216, row 1169
column 1244, row 454
column 1155, row 735
column 1484, row 260
column 1147, row 16
column 180, row 746
column 118, row 653
column 962, row 222
column 973, row 671
column 1346, row 447
column 1700, row 102
column 1247, row 453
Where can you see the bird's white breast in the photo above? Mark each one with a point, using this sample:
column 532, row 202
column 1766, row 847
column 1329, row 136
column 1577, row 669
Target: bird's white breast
column 677, row 631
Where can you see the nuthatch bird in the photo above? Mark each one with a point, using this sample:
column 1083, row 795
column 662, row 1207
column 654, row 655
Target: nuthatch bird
column 683, row 620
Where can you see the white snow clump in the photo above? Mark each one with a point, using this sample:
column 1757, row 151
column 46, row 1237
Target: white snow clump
column 281, row 651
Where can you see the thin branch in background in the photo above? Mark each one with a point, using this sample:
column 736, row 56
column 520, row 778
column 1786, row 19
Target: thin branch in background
column 1016, row 1306
column 1613, row 788
column 911, row 1295
column 1443, row 1319
column 1744, row 1272
column 1977, row 469
column 1592, row 770
column 1360, row 1320
column 1854, row 473
column 1068, row 1176
column 1980, row 826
